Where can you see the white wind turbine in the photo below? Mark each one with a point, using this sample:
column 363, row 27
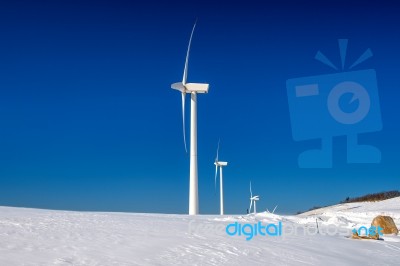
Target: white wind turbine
column 253, row 199
column 221, row 187
column 193, row 89
column 273, row 211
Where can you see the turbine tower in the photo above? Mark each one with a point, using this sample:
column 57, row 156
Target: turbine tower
column 193, row 89
column 221, row 187
column 253, row 199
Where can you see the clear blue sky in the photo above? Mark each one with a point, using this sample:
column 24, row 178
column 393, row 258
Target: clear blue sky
column 88, row 120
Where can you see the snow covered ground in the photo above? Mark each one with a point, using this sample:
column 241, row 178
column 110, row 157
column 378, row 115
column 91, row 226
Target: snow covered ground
column 44, row 237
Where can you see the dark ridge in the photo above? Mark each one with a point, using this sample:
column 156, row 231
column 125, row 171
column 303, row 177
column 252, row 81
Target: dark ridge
column 374, row 197
column 369, row 197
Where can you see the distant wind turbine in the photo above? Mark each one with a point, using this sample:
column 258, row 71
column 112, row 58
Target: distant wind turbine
column 253, row 199
column 221, row 186
column 273, row 211
column 193, row 89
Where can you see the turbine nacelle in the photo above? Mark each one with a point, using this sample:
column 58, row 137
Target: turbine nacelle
column 217, row 163
column 190, row 87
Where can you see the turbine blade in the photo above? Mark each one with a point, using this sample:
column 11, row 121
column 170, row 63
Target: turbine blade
column 251, row 193
column 185, row 71
column 215, row 178
column 183, row 119
column 251, row 203
column 216, row 158
column 274, row 208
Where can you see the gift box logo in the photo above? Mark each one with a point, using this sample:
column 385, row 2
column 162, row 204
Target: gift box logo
column 341, row 104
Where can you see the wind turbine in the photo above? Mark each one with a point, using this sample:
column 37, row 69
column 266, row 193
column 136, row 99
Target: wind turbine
column 193, row 89
column 221, row 187
column 253, row 199
column 273, row 211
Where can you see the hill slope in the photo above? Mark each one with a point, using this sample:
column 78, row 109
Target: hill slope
column 44, row 237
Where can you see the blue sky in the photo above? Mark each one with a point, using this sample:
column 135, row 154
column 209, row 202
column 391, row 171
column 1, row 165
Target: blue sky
column 88, row 120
